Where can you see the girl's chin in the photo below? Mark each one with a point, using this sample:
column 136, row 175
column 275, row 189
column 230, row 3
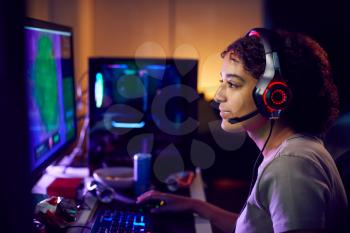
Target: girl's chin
column 232, row 128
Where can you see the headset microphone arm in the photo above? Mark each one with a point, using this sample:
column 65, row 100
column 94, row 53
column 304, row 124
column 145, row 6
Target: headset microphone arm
column 243, row 118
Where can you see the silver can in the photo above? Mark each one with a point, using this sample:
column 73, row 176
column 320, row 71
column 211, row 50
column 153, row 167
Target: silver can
column 142, row 172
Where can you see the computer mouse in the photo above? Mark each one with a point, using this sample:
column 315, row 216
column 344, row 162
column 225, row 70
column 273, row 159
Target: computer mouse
column 149, row 204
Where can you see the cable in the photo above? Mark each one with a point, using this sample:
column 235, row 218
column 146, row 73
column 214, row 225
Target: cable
column 67, row 160
column 81, row 117
column 81, row 77
column 254, row 172
column 80, row 93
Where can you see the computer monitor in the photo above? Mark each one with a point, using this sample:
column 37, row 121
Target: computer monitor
column 49, row 71
column 135, row 83
column 140, row 105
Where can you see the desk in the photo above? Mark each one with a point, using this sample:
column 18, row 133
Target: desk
column 196, row 191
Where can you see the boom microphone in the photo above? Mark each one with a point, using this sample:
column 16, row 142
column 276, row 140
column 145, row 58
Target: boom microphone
column 243, row 118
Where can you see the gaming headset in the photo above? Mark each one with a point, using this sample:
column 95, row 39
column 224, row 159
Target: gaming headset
column 271, row 94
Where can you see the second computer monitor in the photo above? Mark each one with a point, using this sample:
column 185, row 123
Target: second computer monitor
column 131, row 91
column 141, row 96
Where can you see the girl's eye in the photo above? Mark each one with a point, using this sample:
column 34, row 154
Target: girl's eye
column 232, row 85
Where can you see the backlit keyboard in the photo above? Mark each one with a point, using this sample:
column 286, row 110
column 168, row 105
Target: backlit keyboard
column 108, row 221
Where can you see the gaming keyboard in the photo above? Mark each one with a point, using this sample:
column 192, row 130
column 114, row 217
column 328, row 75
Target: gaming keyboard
column 108, row 221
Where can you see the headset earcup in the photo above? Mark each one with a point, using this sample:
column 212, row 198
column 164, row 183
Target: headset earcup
column 277, row 96
column 275, row 99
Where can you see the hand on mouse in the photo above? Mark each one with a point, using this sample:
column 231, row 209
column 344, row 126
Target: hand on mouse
column 173, row 203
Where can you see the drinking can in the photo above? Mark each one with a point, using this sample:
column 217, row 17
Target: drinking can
column 142, row 172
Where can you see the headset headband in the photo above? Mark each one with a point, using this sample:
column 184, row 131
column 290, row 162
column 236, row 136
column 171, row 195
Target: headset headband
column 263, row 97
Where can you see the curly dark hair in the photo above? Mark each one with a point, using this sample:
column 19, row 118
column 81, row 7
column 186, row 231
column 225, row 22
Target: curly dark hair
column 306, row 70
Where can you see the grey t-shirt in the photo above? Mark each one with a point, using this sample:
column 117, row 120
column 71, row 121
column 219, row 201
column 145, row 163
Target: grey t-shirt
column 297, row 188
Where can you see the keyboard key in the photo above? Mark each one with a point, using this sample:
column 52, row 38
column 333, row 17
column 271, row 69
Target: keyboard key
column 120, row 222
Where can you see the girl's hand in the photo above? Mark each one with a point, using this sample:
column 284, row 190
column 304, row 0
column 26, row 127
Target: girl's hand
column 172, row 202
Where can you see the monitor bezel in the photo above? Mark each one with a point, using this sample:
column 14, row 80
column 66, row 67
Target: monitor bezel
column 37, row 172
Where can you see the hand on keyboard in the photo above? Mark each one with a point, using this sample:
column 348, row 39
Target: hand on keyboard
column 167, row 202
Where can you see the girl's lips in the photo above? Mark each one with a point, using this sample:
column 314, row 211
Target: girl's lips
column 224, row 114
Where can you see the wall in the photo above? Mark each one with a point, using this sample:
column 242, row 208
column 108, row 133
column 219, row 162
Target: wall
column 198, row 29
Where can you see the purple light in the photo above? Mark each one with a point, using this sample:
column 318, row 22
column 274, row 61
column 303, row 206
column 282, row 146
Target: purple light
column 118, row 66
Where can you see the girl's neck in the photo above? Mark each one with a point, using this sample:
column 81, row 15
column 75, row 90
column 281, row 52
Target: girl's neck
column 279, row 134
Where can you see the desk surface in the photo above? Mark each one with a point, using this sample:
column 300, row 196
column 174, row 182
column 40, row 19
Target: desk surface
column 196, row 191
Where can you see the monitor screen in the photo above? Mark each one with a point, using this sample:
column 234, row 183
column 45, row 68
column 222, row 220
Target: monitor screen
column 140, row 105
column 129, row 91
column 50, row 91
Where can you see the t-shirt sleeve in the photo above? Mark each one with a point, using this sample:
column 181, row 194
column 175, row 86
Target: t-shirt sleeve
column 294, row 192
